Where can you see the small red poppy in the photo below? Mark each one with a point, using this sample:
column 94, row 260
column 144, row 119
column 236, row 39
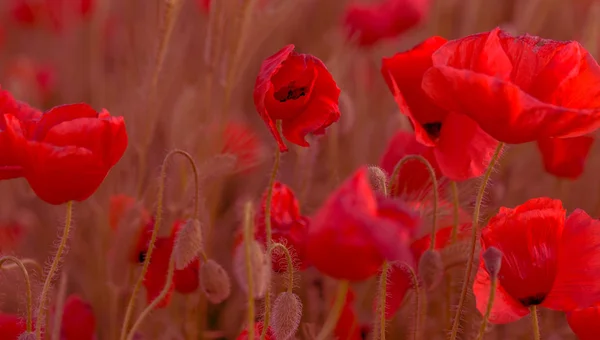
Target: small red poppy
column 518, row 89
column 364, row 229
column 549, row 260
column 298, row 90
column 119, row 206
column 461, row 148
column 413, row 179
column 66, row 153
column 387, row 19
column 56, row 13
column 78, row 320
column 585, row 323
column 11, row 326
column 565, row 157
column 258, row 328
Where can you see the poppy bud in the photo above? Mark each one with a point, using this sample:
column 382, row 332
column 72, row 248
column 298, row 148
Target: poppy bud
column 188, row 244
column 27, row 336
column 214, row 281
column 378, row 179
column 431, row 268
column 492, row 259
column 260, row 265
column 287, row 312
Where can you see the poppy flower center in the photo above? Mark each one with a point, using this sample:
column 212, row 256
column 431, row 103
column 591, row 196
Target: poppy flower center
column 433, row 129
column 290, row 92
column 533, row 300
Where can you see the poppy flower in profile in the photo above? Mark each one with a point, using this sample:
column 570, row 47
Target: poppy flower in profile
column 258, row 328
column 462, row 150
column 549, row 260
column 518, row 89
column 298, row 90
column 585, row 323
column 11, row 326
column 565, row 157
column 413, row 178
column 383, row 20
column 78, row 320
column 66, row 153
column 364, row 229
column 242, row 142
column 288, row 226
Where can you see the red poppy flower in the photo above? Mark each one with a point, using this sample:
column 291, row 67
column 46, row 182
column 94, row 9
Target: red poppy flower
column 413, row 178
column 78, row 321
column 461, row 148
column 548, row 260
column 241, row 141
column 66, row 154
column 287, row 225
column 585, row 323
column 119, row 206
column 387, row 19
column 11, row 326
column 298, row 90
column 565, row 157
column 348, row 326
column 363, row 228
column 187, row 280
column 518, row 89
column 258, row 328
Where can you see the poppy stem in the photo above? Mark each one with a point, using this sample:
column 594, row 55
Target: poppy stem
column 21, row 266
column 382, row 299
column 474, row 233
column 488, row 309
column 60, row 306
column 248, row 236
column 41, row 312
column 290, row 264
column 269, row 232
column 157, row 224
column 456, row 208
column 392, row 188
column 535, row 323
column 335, row 312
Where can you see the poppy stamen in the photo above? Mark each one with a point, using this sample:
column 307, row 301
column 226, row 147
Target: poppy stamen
column 533, row 300
column 290, row 93
column 433, row 129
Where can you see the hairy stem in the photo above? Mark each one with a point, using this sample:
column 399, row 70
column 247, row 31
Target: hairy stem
column 62, row 248
column 336, row 311
column 535, row 323
column 455, row 211
column 419, row 302
column 488, row 309
column 248, row 237
column 21, row 266
column 290, row 264
column 382, row 299
column 60, row 307
column 474, row 233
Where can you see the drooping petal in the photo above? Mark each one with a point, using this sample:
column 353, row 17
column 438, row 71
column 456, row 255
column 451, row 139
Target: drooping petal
column 565, row 157
column 585, row 323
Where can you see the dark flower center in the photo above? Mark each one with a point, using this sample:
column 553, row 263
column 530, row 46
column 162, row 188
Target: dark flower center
column 533, row 300
column 290, row 92
column 433, row 129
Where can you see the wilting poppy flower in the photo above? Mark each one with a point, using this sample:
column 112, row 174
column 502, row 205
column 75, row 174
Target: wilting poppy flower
column 363, row 228
column 585, row 323
column 66, row 153
column 287, row 225
column 242, row 142
column 11, row 326
column 386, row 19
column 549, row 260
column 298, row 90
column 461, row 148
column 258, row 328
column 413, row 178
column 565, row 157
column 55, row 13
column 78, row 320
column 518, row 89
column 348, row 326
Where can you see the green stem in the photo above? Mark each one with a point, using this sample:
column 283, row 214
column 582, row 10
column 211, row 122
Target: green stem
column 535, row 323
column 41, row 312
column 420, row 311
column 21, row 266
column 382, row 299
column 488, row 309
column 290, row 264
column 336, row 311
column 475, row 227
column 248, row 253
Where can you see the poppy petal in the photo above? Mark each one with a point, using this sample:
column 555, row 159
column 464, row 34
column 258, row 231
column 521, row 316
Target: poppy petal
column 565, row 157
column 585, row 323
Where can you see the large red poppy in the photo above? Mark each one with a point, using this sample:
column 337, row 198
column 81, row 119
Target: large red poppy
column 78, row 320
column 387, row 19
column 298, row 90
column 66, row 153
column 585, row 322
column 461, row 148
column 363, row 228
column 549, row 260
column 518, row 89
column 565, row 157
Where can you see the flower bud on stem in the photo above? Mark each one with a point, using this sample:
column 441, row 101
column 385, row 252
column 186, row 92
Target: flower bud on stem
column 21, row 266
column 248, row 237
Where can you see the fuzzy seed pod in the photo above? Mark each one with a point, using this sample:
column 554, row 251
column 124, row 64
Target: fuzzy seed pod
column 287, row 313
column 492, row 259
column 261, row 268
column 27, row 336
column 214, row 281
column 188, row 243
column 431, row 269
column 378, row 179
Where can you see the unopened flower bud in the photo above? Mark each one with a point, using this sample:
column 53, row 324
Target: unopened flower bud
column 431, row 269
column 27, row 336
column 287, row 313
column 214, row 281
column 188, row 243
column 378, row 179
column 260, row 268
column 492, row 259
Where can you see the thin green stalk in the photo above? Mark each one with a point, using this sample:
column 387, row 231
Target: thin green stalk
column 535, row 323
column 248, row 230
column 336, row 311
column 21, row 266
